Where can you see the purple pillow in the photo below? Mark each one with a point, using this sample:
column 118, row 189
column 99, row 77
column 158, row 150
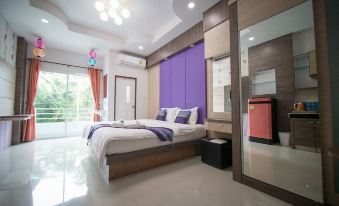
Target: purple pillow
column 183, row 117
column 162, row 115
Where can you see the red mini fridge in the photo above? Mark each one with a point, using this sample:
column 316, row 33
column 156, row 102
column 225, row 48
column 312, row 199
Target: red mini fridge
column 262, row 120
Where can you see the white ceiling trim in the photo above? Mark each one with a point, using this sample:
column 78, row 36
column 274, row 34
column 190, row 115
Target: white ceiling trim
column 58, row 13
column 166, row 28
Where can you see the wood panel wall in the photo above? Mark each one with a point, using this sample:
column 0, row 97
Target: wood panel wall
column 326, row 111
column 217, row 40
column 277, row 54
column 19, row 104
column 184, row 40
column 253, row 11
column 215, row 15
column 153, row 91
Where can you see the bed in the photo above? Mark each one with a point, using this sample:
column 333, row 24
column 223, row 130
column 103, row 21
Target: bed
column 121, row 152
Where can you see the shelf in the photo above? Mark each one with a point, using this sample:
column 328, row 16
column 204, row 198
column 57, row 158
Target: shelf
column 263, row 82
column 306, row 88
column 15, row 117
column 302, row 67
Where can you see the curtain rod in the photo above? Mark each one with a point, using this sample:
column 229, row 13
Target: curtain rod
column 68, row 65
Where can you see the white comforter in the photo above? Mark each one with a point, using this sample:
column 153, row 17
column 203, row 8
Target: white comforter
column 118, row 140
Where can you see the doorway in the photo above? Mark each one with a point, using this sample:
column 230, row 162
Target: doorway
column 125, row 98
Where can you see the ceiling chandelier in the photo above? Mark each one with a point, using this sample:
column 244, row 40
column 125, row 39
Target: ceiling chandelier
column 112, row 9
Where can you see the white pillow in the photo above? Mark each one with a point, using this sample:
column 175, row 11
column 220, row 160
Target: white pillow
column 171, row 113
column 194, row 115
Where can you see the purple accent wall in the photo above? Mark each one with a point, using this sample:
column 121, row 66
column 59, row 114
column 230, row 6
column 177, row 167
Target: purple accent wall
column 196, row 80
column 178, row 80
column 165, row 84
column 183, row 81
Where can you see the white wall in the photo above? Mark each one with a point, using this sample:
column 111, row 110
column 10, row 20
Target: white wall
column 303, row 41
column 7, row 67
column 112, row 68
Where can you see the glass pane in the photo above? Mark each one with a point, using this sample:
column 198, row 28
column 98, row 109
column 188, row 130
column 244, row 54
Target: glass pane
column 50, row 104
column 128, row 94
column 221, row 85
column 80, row 104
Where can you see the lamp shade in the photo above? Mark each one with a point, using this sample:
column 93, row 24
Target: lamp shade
column 39, row 52
column 92, row 54
column 40, row 43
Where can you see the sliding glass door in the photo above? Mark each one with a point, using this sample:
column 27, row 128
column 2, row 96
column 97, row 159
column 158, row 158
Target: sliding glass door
column 63, row 104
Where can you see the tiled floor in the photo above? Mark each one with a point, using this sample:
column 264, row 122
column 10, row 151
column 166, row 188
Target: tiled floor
column 61, row 172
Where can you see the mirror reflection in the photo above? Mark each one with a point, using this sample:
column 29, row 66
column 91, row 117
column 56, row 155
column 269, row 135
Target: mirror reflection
column 221, row 69
column 280, row 118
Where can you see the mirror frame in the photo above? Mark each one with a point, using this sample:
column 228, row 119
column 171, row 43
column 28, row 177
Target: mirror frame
column 274, row 191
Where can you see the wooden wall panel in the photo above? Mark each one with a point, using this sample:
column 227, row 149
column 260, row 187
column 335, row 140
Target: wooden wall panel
column 215, row 15
column 277, row 54
column 217, row 40
column 153, row 91
column 235, row 74
column 326, row 111
column 253, row 11
column 19, row 104
column 189, row 37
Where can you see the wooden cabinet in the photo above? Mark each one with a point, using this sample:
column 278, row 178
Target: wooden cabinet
column 217, row 40
column 313, row 64
column 219, row 126
column 305, row 134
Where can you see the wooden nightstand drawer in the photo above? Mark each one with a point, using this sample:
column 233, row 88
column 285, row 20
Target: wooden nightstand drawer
column 224, row 127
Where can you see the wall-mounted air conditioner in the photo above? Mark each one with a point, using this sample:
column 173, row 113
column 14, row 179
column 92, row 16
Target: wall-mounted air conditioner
column 131, row 61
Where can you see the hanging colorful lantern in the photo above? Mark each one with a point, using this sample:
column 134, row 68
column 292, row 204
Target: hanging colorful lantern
column 92, row 54
column 92, row 62
column 39, row 52
column 39, row 43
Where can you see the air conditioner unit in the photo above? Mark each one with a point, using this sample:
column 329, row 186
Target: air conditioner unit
column 131, row 61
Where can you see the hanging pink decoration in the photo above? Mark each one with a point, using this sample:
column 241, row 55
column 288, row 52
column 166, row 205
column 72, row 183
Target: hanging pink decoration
column 40, row 43
column 92, row 54
column 39, row 50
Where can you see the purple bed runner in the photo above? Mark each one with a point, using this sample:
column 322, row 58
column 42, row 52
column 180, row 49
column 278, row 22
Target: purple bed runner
column 163, row 133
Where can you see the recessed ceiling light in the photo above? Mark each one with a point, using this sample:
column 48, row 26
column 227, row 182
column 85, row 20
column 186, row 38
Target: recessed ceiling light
column 251, row 38
column 104, row 16
column 191, row 5
column 141, row 47
column 99, row 5
column 44, row 21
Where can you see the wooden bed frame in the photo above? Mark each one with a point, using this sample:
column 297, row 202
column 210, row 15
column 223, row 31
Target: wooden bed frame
column 131, row 162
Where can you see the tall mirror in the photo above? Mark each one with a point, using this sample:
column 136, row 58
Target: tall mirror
column 279, row 109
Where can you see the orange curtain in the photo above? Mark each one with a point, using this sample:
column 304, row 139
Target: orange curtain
column 29, row 125
column 94, row 75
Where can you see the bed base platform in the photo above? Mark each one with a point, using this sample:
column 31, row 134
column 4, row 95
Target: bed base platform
column 120, row 165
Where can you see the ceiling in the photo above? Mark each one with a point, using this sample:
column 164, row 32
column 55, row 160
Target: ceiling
column 74, row 25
